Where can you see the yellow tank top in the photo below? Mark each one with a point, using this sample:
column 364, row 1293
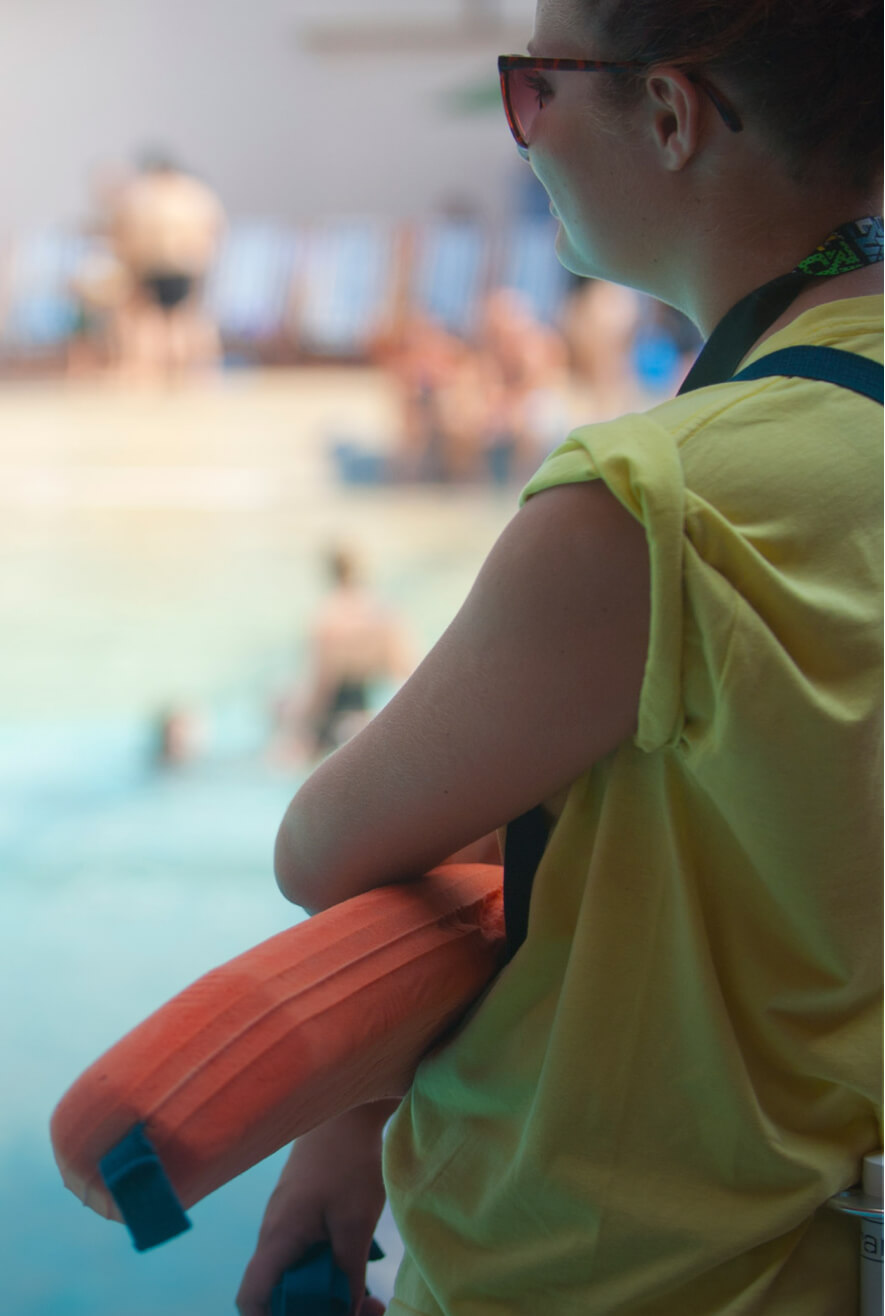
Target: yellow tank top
column 648, row 1109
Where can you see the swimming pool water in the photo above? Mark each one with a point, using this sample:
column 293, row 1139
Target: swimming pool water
column 122, row 883
column 155, row 550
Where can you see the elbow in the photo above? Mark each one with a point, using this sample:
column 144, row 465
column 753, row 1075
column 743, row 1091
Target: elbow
column 288, row 871
column 282, row 869
column 320, row 861
column 300, row 862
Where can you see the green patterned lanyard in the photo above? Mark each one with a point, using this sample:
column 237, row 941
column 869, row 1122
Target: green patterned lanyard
column 851, row 247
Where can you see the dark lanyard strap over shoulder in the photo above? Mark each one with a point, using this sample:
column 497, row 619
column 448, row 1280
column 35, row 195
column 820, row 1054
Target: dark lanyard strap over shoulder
column 850, row 247
column 523, row 849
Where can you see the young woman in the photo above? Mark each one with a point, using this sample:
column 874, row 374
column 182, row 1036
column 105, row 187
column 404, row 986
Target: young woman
column 668, row 671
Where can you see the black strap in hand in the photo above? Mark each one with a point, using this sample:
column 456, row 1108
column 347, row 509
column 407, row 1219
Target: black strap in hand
column 523, row 848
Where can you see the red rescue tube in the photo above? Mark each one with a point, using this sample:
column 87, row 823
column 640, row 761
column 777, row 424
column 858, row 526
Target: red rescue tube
column 330, row 1014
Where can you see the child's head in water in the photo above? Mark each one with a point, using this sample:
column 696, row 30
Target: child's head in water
column 180, row 737
column 342, row 565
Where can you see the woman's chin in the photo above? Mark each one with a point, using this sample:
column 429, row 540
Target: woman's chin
column 565, row 251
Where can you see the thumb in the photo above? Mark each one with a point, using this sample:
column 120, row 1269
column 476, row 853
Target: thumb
column 274, row 1254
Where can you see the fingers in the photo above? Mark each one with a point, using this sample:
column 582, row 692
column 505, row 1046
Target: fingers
column 275, row 1253
column 330, row 1189
column 254, row 1293
column 351, row 1240
column 372, row 1307
column 279, row 1249
column 267, row 1266
column 350, row 1223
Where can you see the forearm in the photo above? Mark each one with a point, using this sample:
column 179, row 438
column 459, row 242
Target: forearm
column 369, row 1119
column 291, row 844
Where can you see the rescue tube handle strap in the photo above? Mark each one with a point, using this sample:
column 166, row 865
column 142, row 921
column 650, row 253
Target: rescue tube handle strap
column 134, row 1176
column 315, row 1287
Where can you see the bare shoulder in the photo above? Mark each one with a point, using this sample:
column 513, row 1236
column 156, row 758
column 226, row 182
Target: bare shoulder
column 571, row 570
column 566, row 592
column 582, row 529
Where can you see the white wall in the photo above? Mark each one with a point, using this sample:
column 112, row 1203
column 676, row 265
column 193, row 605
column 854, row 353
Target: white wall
column 228, row 87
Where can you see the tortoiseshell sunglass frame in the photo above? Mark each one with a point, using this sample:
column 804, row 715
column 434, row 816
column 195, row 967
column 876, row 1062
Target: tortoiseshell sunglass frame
column 509, row 63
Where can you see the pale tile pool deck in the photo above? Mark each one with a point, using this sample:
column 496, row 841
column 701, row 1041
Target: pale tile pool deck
column 158, row 549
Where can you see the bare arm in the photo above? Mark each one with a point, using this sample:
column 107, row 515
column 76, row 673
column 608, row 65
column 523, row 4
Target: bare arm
column 537, row 678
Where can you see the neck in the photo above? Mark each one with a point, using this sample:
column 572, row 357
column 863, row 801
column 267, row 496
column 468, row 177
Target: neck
column 866, row 282
column 728, row 265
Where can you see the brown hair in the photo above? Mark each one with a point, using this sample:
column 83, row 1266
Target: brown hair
column 807, row 70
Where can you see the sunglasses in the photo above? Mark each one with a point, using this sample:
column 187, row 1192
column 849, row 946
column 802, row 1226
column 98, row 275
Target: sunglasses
column 525, row 91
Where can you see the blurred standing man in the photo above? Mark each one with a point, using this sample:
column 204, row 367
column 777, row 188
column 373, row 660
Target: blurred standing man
column 165, row 230
column 356, row 642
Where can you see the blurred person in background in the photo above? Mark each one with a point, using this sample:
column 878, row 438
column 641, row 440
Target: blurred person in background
column 102, row 285
column 356, row 644
column 487, row 408
column 422, row 358
column 528, row 361
column 665, row 347
column 665, row 685
column 165, row 231
column 102, row 289
column 465, row 413
column 180, row 737
column 600, row 322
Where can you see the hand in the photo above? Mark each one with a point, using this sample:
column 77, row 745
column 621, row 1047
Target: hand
column 330, row 1189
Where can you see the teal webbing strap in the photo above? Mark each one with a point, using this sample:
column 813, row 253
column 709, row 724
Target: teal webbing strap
column 315, row 1286
column 135, row 1178
column 829, row 365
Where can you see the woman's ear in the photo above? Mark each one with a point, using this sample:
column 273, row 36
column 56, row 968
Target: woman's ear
column 676, row 116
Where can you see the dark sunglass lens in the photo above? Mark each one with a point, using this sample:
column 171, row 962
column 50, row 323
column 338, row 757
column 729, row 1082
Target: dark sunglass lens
column 525, row 100
column 507, row 95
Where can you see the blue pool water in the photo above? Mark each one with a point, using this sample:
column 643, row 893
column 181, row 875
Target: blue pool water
column 121, row 883
column 164, row 550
